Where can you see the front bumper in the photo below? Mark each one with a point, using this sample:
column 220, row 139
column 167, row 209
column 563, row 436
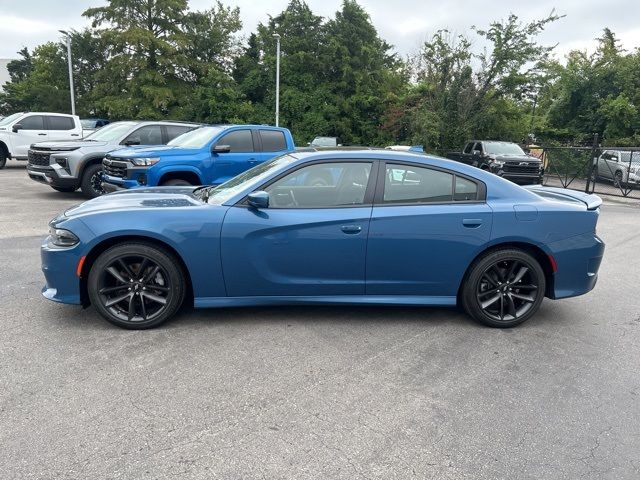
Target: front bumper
column 59, row 269
column 113, row 184
column 52, row 176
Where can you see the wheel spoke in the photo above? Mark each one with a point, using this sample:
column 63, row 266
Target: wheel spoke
column 112, row 301
column 142, row 268
column 490, row 302
column 150, row 275
column 155, row 298
column 511, row 306
column 488, row 292
column 158, row 288
column 132, row 308
column 501, row 307
column 104, row 291
column 126, row 268
column 512, row 270
column 526, row 287
column 487, row 277
column 526, row 298
column 143, row 308
column 521, row 273
column 116, row 274
column 498, row 273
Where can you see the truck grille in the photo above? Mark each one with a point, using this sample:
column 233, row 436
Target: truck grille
column 517, row 168
column 38, row 158
column 114, row 168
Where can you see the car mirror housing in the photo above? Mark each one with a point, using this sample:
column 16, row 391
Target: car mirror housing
column 16, row 127
column 129, row 143
column 221, row 148
column 259, row 199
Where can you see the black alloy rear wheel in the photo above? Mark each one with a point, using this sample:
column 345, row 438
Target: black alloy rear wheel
column 136, row 285
column 504, row 288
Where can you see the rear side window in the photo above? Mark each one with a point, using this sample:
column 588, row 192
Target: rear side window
column 272, row 141
column 149, row 135
column 60, row 123
column 409, row 184
column 174, row 131
column 32, row 122
column 465, row 190
column 238, row 141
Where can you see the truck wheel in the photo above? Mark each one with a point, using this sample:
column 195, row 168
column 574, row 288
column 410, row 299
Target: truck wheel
column 175, row 182
column 64, row 189
column 91, row 184
column 3, row 159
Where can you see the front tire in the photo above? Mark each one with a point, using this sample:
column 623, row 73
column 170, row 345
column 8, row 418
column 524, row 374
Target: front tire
column 504, row 288
column 91, row 184
column 3, row 159
column 136, row 285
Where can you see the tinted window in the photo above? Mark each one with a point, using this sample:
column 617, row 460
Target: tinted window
column 409, row 184
column 174, row 131
column 468, row 148
column 149, row 135
column 60, row 123
column 32, row 122
column 465, row 190
column 321, row 186
column 238, row 141
column 272, row 141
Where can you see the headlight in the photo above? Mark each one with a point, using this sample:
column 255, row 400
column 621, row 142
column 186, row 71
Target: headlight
column 145, row 162
column 62, row 238
column 633, row 169
column 497, row 163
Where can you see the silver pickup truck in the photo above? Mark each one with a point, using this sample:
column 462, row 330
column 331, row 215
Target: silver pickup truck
column 67, row 166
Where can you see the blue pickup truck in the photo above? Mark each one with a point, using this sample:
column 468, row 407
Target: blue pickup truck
column 209, row 155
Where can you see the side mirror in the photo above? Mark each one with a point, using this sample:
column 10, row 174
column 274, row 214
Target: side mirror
column 476, row 152
column 259, row 199
column 16, row 127
column 129, row 143
column 615, row 158
column 221, row 148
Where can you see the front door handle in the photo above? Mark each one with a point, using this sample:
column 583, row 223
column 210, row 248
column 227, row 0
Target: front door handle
column 41, row 134
column 253, row 160
column 472, row 222
column 351, row 229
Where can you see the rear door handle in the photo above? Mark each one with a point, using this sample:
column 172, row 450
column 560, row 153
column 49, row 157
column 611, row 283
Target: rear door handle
column 42, row 134
column 351, row 229
column 472, row 222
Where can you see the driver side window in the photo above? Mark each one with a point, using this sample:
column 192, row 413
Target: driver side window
column 323, row 185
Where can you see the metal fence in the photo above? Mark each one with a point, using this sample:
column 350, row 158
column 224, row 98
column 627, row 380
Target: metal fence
column 602, row 170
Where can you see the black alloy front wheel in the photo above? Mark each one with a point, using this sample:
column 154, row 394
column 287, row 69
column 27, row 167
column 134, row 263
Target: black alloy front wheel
column 91, row 184
column 504, row 288
column 136, row 285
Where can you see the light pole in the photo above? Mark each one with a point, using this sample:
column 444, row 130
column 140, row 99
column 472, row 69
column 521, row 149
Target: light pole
column 73, row 100
column 277, row 37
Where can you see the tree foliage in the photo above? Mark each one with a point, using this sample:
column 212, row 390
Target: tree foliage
column 158, row 59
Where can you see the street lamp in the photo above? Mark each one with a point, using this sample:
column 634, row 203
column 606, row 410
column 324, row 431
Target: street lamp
column 73, row 100
column 277, row 37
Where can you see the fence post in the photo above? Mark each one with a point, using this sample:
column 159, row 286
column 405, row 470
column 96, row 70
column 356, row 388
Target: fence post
column 590, row 188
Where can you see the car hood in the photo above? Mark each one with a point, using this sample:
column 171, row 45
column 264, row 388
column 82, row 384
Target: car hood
column 67, row 145
column 138, row 199
column 516, row 158
column 153, row 151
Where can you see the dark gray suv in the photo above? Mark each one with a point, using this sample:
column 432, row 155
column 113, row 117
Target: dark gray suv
column 67, row 166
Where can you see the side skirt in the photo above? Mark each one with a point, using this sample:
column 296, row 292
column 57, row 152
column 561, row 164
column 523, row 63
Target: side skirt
column 211, row 302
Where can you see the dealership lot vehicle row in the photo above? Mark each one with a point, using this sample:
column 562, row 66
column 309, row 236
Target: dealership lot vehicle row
column 370, row 391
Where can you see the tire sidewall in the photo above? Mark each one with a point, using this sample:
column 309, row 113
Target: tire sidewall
column 3, row 159
column 86, row 186
column 469, row 299
column 158, row 255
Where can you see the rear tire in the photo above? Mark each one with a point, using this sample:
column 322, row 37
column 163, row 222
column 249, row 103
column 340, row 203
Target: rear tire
column 91, row 184
column 175, row 182
column 3, row 159
column 136, row 285
column 503, row 288
column 64, row 189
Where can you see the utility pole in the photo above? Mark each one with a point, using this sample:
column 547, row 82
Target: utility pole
column 73, row 100
column 277, row 37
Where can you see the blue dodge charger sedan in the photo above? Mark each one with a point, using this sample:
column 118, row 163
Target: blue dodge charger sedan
column 382, row 228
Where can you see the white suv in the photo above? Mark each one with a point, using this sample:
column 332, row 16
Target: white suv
column 20, row 130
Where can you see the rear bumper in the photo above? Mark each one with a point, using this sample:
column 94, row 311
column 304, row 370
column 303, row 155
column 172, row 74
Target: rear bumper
column 51, row 176
column 578, row 260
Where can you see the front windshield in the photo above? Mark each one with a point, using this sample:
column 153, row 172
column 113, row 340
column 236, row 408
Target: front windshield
column 503, row 149
column 197, row 138
column 88, row 123
column 324, row 142
column 220, row 194
column 110, row 132
column 10, row 118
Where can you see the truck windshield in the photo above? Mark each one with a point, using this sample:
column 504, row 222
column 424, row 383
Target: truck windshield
column 197, row 138
column 223, row 192
column 502, row 149
column 10, row 118
column 110, row 132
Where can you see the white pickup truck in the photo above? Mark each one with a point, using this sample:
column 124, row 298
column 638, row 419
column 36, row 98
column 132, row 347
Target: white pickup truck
column 20, row 130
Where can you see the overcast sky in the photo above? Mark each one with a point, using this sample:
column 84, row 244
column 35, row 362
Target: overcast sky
column 403, row 23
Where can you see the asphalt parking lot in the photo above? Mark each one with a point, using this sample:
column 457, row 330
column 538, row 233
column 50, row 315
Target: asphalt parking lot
column 310, row 393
